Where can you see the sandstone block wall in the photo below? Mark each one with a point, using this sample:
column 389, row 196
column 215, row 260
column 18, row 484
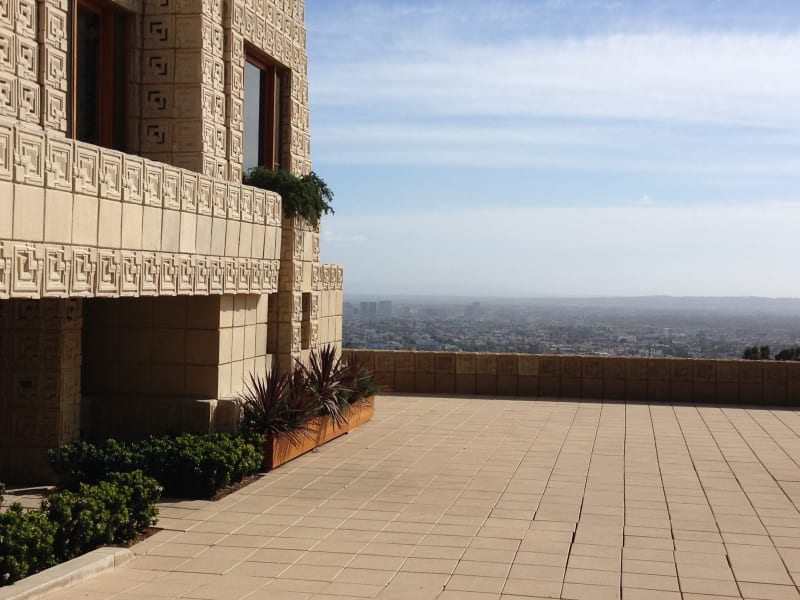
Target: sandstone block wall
column 597, row 377
column 40, row 383
column 190, row 280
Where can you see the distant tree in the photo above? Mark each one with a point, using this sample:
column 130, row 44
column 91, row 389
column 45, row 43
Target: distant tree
column 765, row 352
column 751, row 353
column 792, row 353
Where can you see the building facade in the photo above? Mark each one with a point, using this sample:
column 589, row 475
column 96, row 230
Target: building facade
column 140, row 282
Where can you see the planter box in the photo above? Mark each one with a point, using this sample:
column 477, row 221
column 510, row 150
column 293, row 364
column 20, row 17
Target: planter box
column 361, row 412
column 280, row 449
column 329, row 430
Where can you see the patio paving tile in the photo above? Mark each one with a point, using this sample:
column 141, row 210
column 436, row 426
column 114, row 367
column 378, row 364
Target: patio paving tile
column 485, row 499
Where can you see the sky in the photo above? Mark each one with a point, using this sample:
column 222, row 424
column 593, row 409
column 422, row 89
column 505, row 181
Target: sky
column 559, row 147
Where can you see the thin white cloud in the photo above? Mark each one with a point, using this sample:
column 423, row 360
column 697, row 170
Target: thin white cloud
column 412, row 87
column 336, row 237
column 660, row 113
column 597, row 145
column 719, row 78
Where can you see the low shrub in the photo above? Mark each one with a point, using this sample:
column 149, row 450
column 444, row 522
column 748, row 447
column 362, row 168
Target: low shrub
column 198, row 466
column 26, row 543
column 187, row 466
column 109, row 512
column 84, row 462
column 69, row 524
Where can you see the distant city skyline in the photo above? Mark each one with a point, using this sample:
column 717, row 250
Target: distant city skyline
column 551, row 148
column 678, row 327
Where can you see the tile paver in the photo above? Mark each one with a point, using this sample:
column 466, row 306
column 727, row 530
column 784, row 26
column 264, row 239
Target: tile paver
column 487, row 499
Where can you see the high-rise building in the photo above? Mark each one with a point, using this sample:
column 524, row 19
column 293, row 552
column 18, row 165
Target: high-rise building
column 368, row 310
column 385, row 308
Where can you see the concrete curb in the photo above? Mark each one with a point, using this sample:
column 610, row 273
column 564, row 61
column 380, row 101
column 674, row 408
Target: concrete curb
column 68, row 573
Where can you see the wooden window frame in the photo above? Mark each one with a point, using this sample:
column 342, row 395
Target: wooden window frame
column 270, row 109
column 107, row 13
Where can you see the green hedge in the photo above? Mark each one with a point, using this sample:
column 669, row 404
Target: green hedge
column 26, row 543
column 71, row 523
column 109, row 512
column 187, row 466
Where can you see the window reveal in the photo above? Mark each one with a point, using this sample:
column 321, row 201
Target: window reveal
column 262, row 113
column 99, row 74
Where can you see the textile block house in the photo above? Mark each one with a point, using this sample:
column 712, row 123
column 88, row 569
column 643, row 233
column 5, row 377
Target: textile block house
column 140, row 281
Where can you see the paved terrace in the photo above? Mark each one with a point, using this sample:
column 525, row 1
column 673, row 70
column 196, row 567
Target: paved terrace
column 480, row 499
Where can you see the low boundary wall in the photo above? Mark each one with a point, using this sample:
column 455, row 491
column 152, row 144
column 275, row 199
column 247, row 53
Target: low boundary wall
column 597, row 377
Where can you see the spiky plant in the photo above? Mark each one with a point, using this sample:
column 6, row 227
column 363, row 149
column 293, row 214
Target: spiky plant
column 364, row 384
column 277, row 404
column 330, row 380
column 301, row 405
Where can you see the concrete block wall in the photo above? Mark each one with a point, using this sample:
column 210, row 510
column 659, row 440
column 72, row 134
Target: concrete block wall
column 79, row 220
column 199, row 347
column 164, row 226
column 155, row 365
column 131, row 418
column 40, row 383
column 328, row 306
column 597, row 377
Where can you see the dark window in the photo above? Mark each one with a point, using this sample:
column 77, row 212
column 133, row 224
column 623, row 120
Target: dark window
column 262, row 112
column 99, row 74
column 272, row 324
column 305, row 324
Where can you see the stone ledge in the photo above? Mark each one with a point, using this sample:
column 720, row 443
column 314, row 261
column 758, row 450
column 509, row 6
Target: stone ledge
column 672, row 380
column 66, row 574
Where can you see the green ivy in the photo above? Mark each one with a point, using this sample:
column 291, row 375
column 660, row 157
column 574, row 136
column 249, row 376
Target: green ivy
column 308, row 196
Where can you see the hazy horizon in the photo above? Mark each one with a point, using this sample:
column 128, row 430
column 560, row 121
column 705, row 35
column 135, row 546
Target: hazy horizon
column 571, row 148
column 389, row 296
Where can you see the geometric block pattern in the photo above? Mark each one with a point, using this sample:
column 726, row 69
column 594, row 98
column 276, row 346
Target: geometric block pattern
column 54, row 28
column 47, row 159
column 40, row 363
column 55, row 271
column 278, row 30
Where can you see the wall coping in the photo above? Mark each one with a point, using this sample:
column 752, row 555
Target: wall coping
column 656, row 379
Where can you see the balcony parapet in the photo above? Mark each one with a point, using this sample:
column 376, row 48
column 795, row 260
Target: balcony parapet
column 670, row 380
column 82, row 220
column 36, row 157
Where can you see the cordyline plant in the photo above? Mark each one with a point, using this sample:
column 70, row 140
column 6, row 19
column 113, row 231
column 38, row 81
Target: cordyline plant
column 278, row 404
column 286, row 403
column 331, row 380
column 364, row 384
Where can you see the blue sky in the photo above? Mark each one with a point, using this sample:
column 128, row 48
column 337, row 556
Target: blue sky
column 526, row 148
